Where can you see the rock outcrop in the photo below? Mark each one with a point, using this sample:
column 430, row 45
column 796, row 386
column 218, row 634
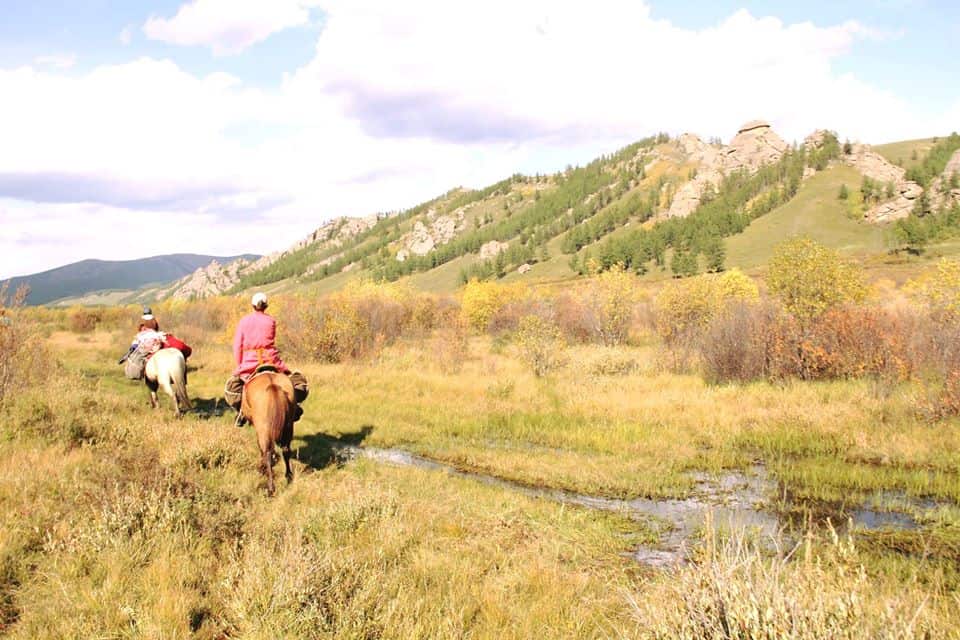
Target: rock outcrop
column 945, row 189
column 689, row 195
column 873, row 165
column 207, row 281
column 899, row 207
column 490, row 249
column 755, row 145
column 215, row 279
column 423, row 239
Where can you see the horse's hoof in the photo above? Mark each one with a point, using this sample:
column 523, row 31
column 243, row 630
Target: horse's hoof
column 289, row 478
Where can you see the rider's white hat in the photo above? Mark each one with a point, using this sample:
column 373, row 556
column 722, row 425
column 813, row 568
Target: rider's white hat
column 258, row 299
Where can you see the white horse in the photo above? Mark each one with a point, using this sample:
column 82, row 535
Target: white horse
column 168, row 369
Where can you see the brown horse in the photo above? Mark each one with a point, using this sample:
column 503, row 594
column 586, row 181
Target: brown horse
column 268, row 403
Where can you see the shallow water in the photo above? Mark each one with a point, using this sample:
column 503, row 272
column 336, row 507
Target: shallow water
column 730, row 501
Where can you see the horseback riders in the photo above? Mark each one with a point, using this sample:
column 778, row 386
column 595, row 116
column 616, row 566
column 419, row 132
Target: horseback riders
column 262, row 388
column 160, row 360
column 254, row 347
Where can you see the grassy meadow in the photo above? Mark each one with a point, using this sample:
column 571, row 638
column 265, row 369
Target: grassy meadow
column 122, row 522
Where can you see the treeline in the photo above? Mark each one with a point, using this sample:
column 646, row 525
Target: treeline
column 740, row 199
column 915, row 232
column 547, row 215
column 535, row 223
column 935, row 161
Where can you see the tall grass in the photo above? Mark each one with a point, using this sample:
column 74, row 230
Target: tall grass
column 806, row 593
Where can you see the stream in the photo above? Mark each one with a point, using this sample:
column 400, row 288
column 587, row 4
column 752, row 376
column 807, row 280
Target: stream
column 736, row 500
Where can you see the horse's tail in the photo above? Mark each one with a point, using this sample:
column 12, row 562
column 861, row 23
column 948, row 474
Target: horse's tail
column 275, row 408
column 178, row 379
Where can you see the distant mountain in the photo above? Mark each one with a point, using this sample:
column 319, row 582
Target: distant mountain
column 86, row 276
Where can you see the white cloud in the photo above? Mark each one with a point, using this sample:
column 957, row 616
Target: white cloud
column 228, row 26
column 57, row 61
column 401, row 102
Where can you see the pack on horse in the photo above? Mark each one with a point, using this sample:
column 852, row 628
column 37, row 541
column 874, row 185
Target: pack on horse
column 160, row 359
column 262, row 389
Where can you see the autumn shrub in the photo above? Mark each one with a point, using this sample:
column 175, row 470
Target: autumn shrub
column 738, row 343
column 357, row 322
column 482, row 300
column 506, row 319
column 83, row 319
column 685, row 307
column 450, row 346
column 23, row 358
column 605, row 361
column 937, row 291
column 541, row 344
column 576, row 319
column 809, row 278
column 608, row 305
column 754, row 341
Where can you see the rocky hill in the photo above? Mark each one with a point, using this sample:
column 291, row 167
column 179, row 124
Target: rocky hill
column 661, row 203
column 88, row 276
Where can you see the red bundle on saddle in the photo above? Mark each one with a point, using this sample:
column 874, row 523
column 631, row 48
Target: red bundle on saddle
column 172, row 342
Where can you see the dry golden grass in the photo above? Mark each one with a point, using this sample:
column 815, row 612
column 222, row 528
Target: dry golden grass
column 116, row 521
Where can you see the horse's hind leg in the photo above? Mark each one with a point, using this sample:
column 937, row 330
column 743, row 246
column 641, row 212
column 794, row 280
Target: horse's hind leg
column 286, row 462
column 266, row 466
column 153, row 385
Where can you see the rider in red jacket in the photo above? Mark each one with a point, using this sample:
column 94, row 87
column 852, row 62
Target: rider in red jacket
column 253, row 346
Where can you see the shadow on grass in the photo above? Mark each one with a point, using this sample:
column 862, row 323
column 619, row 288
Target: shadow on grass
column 321, row 450
column 209, row 408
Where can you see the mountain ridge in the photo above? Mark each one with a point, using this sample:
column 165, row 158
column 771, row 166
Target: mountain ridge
column 94, row 275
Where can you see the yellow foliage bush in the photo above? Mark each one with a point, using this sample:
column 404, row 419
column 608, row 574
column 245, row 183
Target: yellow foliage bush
column 611, row 298
column 541, row 344
column 938, row 290
column 356, row 322
column 689, row 304
column 482, row 300
column 809, row 278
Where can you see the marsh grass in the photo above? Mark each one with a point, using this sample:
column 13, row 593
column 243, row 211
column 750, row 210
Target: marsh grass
column 737, row 590
column 116, row 521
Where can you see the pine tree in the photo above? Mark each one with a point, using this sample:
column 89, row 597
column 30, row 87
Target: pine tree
column 500, row 265
column 715, row 253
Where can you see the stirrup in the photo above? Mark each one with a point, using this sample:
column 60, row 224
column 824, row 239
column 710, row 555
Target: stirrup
column 240, row 421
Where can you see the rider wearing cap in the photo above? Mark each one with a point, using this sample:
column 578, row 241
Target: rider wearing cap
column 254, row 346
column 147, row 321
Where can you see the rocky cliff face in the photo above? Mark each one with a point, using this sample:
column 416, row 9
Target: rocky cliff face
column 437, row 231
column 945, row 189
column 755, row 145
column 215, row 279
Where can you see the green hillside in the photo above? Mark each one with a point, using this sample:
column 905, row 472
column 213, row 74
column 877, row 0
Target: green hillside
column 612, row 210
column 815, row 212
column 906, row 153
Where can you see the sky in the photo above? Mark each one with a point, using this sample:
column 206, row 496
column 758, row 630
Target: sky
column 135, row 128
